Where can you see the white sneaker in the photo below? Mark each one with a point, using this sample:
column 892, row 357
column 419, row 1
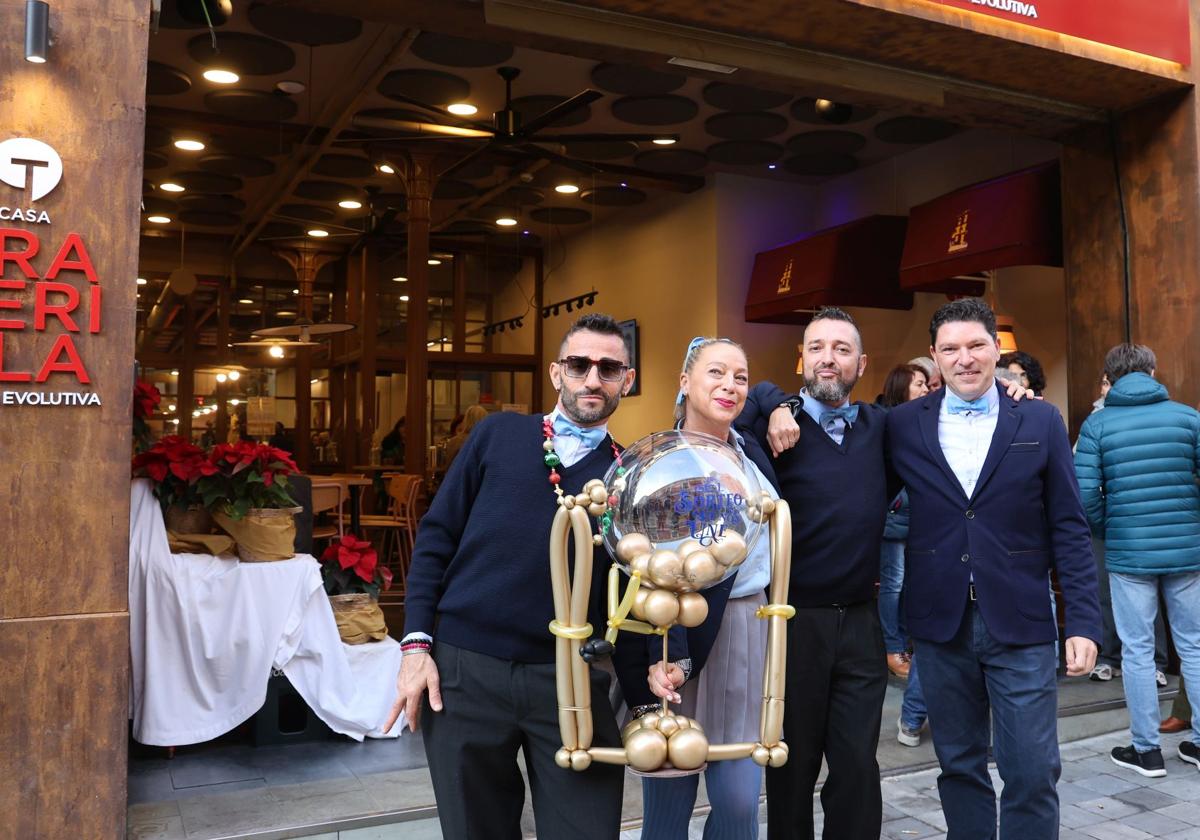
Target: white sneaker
column 908, row 737
column 1103, row 673
column 1161, row 679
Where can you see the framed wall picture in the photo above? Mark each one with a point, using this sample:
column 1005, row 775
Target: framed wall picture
column 630, row 330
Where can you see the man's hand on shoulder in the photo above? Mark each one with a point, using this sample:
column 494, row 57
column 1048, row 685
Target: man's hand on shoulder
column 1016, row 392
column 783, row 432
column 418, row 674
column 1081, row 656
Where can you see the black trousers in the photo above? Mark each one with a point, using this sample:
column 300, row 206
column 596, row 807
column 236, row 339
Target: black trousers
column 491, row 709
column 836, row 679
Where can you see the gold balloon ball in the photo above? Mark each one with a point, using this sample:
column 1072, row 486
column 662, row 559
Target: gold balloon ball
column 640, row 566
column 768, row 505
column 779, row 756
column 761, row 756
column 568, row 502
column 650, row 720
column 688, row 547
column 666, row 568
column 731, row 550
column 638, row 610
column 693, row 609
column 627, row 730
column 700, row 569
column 583, row 499
column 581, row 760
column 597, row 509
column 597, row 492
column 661, row 607
column 646, row 750
column 593, row 483
column 683, row 721
column 668, row 726
column 563, row 758
column 755, row 514
column 631, row 545
column 687, row 749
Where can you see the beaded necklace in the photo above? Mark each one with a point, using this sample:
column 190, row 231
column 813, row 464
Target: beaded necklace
column 553, row 461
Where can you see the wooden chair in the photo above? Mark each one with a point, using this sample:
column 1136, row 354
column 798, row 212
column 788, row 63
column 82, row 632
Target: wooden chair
column 328, row 496
column 399, row 527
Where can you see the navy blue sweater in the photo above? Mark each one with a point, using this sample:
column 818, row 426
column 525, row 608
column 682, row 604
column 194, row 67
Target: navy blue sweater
column 480, row 576
column 839, row 499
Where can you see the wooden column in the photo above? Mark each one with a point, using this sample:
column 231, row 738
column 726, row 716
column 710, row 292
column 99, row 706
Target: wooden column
column 418, row 182
column 337, row 372
column 187, row 374
column 64, row 497
column 1158, row 155
column 224, row 311
column 369, row 327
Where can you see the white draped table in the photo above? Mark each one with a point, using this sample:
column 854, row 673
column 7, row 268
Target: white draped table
column 205, row 632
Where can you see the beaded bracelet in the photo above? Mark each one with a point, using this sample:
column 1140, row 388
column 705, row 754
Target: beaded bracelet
column 417, row 646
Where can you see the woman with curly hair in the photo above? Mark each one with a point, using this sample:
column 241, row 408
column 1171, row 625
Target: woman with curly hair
column 1027, row 368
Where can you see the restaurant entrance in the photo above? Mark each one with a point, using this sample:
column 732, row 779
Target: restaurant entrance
column 302, row 166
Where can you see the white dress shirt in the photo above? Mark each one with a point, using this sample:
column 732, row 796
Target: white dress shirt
column 965, row 439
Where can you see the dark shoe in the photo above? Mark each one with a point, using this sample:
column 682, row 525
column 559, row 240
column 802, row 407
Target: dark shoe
column 1174, row 724
column 1147, row 763
column 898, row 664
column 1189, row 752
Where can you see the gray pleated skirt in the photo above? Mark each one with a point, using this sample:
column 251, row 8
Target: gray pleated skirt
column 726, row 698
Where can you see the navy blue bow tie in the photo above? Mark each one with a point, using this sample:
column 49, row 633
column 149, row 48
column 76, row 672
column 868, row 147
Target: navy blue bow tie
column 849, row 413
column 591, row 438
column 957, row 405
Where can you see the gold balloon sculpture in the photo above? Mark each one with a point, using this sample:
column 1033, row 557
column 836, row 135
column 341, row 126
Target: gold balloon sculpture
column 662, row 591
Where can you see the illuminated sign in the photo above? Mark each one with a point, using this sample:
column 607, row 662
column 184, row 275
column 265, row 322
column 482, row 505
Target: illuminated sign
column 1157, row 28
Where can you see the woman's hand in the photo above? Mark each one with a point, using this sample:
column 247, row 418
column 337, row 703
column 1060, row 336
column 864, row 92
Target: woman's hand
column 665, row 681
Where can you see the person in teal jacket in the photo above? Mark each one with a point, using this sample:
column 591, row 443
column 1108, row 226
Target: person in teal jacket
column 1137, row 463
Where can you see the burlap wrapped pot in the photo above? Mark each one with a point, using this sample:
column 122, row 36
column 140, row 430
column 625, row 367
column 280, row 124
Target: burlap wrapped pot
column 263, row 534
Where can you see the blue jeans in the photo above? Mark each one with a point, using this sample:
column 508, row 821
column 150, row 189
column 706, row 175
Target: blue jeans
column 965, row 679
column 733, row 790
column 912, row 711
column 1135, row 607
column 891, row 581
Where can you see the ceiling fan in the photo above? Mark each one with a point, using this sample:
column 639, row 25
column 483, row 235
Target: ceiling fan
column 509, row 135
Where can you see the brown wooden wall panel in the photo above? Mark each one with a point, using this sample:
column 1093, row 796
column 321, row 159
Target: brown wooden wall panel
column 64, row 497
column 1159, row 173
column 63, row 727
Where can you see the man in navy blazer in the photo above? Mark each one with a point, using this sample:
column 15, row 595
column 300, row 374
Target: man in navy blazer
column 995, row 506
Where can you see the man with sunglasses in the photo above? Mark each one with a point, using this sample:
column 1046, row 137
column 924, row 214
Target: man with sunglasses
column 478, row 671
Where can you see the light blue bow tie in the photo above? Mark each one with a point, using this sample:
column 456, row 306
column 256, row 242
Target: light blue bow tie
column 849, row 413
column 957, row 405
column 591, row 438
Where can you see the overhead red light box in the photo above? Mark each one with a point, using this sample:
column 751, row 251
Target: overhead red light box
column 1157, row 28
column 1012, row 220
column 855, row 264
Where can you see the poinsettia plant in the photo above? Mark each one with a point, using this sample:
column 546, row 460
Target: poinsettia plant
column 175, row 465
column 350, row 565
column 247, row 475
column 146, row 398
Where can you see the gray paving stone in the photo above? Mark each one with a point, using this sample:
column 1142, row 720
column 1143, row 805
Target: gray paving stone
column 1188, row 812
column 1156, row 825
column 1110, row 808
column 1115, row 831
column 1072, row 816
column 1108, row 784
column 908, row 828
column 1148, row 798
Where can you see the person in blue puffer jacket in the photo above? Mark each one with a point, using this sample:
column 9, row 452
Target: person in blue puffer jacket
column 1137, row 462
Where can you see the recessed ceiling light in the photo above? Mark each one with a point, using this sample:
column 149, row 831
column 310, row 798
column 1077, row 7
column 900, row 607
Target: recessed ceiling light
column 220, row 76
column 318, row 233
column 234, row 376
column 189, row 144
column 286, row 313
column 245, row 300
column 235, row 401
column 221, row 377
column 276, row 351
column 386, row 169
column 432, row 261
column 506, row 221
column 566, row 189
column 295, row 291
column 141, row 281
column 462, row 109
column 171, row 407
column 404, row 298
column 663, row 141
column 159, row 220
column 174, row 373
column 350, row 204
column 170, row 187
column 399, row 279
column 290, row 87
column 771, row 166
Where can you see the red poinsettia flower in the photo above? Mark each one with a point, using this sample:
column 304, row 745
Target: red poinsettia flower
column 358, row 556
column 146, row 398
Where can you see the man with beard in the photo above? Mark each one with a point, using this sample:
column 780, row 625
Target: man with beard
column 833, row 476
column 479, row 602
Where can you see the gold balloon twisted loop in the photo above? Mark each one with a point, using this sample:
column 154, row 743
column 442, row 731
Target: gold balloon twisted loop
column 566, row 631
column 771, row 610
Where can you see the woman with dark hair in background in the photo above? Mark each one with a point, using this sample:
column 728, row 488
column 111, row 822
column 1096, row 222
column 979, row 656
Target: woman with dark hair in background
column 1026, row 367
column 903, row 383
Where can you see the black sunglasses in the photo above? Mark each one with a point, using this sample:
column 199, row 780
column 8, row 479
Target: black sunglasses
column 577, row 367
